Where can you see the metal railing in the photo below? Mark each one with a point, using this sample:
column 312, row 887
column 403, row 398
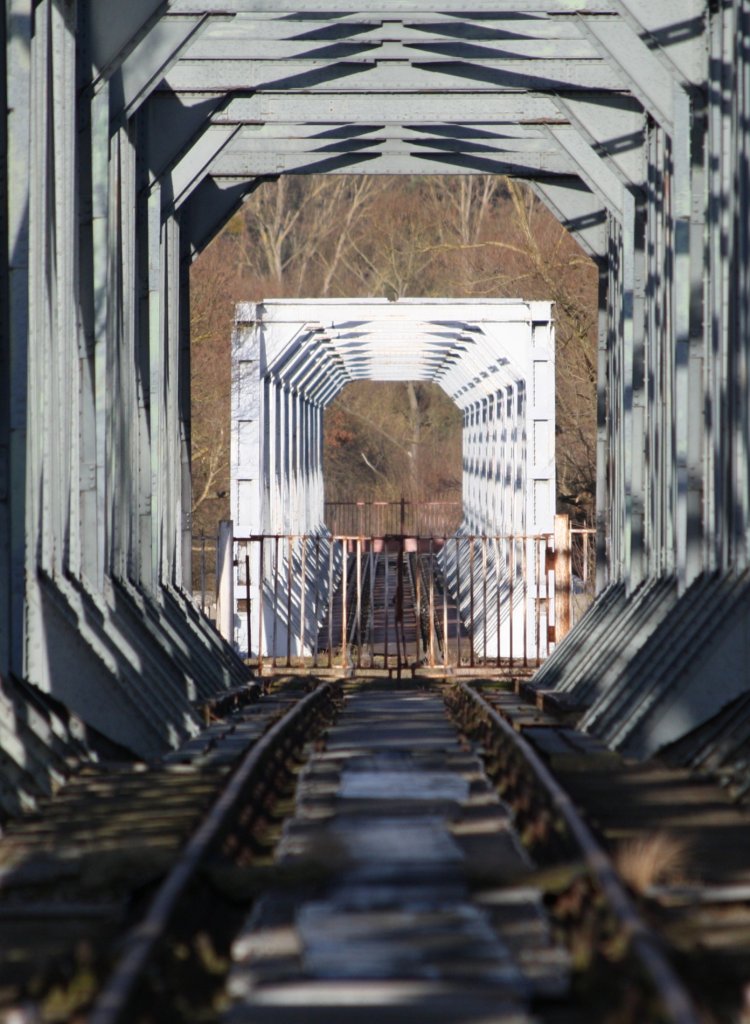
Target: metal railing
column 398, row 601
column 377, row 518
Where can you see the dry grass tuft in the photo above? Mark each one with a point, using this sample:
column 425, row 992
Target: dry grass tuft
column 651, row 860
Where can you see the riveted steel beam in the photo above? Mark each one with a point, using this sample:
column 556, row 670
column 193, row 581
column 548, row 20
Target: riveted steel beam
column 511, row 136
column 111, row 30
column 393, row 108
column 578, row 210
column 139, row 72
column 292, row 141
column 14, row 321
column 638, row 66
column 591, row 168
column 192, row 168
column 305, row 29
column 208, row 208
column 390, row 159
column 173, row 123
column 615, row 131
column 248, row 41
column 372, row 75
column 675, row 31
column 386, row 9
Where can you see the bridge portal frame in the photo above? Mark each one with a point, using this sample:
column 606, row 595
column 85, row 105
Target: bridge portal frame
column 290, row 358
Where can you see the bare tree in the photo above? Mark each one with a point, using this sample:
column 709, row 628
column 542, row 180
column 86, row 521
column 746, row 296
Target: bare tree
column 389, row 441
column 296, row 235
column 393, row 255
column 213, row 292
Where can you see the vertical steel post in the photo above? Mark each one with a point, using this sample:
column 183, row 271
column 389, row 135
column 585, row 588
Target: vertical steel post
column 303, row 595
column 511, row 587
column 247, row 600
column 371, row 617
column 344, row 601
column 472, row 540
column 524, row 577
column 386, row 571
column 418, row 641
column 496, row 545
column 225, row 581
column 445, row 614
column 484, row 596
column 330, row 602
column 359, row 601
column 458, row 603
column 431, row 604
column 399, row 613
column 274, row 632
column 261, row 589
column 318, row 585
column 537, row 600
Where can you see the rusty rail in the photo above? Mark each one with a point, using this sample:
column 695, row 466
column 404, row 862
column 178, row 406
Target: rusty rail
column 288, row 733
column 541, row 796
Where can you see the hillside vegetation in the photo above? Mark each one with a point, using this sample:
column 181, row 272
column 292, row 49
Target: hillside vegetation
column 458, row 237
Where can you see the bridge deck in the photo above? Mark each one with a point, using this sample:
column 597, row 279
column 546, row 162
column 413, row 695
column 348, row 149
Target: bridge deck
column 399, row 886
column 398, row 815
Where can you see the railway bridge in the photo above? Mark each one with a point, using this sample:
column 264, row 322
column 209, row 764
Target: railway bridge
column 131, row 133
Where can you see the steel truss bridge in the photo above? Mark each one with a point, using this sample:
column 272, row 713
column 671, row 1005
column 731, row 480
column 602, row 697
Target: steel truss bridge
column 135, row 130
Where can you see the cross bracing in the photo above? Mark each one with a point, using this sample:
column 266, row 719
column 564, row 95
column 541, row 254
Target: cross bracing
column 134, row 132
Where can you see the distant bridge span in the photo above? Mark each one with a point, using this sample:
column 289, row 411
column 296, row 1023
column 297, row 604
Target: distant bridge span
column 135, row 130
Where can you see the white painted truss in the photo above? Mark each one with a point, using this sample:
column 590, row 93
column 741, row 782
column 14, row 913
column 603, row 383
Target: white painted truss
column 290, row 358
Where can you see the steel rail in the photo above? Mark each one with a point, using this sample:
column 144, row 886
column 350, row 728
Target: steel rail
column 669, row 987
column 114, row 999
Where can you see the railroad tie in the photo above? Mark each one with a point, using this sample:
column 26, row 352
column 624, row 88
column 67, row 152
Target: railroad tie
column 406, row 895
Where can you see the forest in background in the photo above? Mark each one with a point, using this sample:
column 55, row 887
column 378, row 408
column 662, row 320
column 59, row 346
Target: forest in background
column 371, row 236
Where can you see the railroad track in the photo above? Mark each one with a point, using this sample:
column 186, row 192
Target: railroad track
column 680, row 838
column 397, row 614
column 403, row 855
column 381, row 623
column 81, row 879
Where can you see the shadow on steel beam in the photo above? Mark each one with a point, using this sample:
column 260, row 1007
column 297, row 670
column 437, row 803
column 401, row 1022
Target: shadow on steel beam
column 644, row 670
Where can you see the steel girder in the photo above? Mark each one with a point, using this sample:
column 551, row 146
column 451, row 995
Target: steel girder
column 134, row 131
column 95, row 443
